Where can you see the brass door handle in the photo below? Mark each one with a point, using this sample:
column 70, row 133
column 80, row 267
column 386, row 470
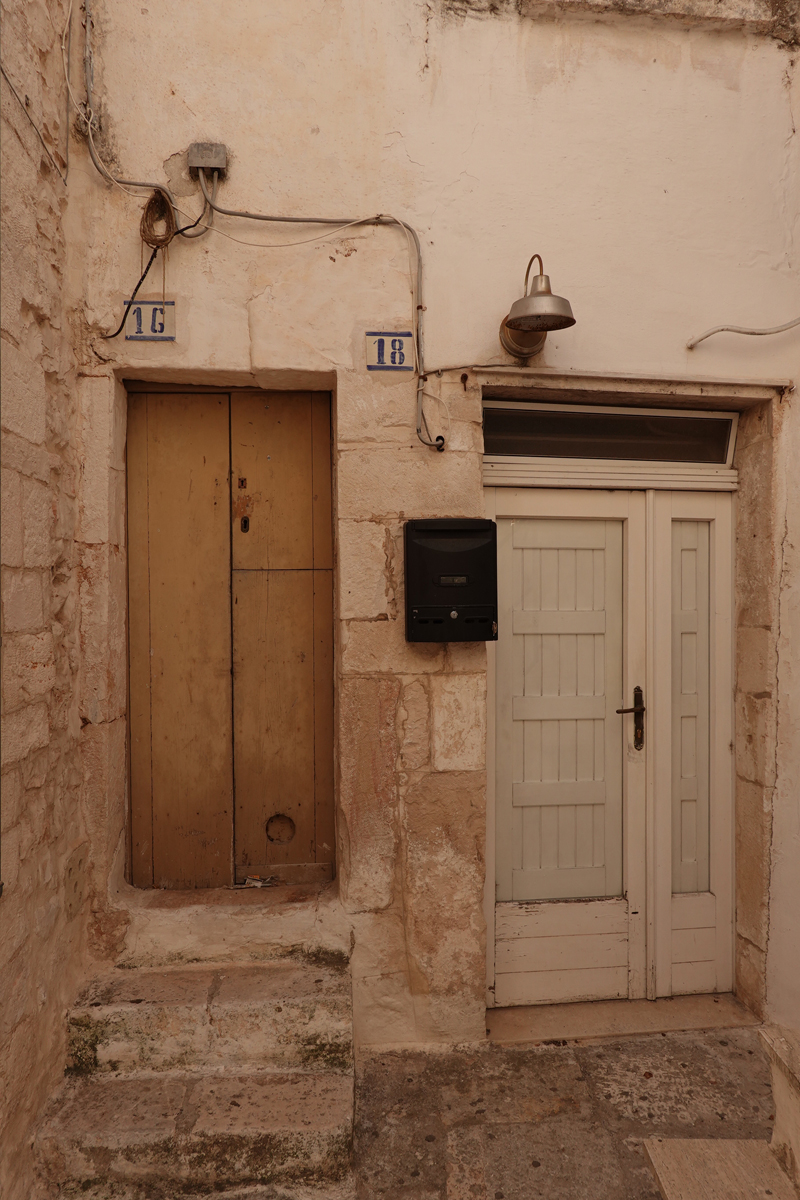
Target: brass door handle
column 638, row 711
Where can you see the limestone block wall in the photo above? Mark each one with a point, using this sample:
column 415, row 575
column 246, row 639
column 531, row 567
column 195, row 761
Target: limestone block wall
column 783, row 959
column 412, row 726
column 767, row 704
column 44, row 852
column 757, row 553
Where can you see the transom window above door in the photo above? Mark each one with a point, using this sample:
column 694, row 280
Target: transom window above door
column 646, row 435
column 558, row 445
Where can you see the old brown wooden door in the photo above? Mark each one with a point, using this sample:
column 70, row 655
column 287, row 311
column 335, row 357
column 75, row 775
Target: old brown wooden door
column 231, row 637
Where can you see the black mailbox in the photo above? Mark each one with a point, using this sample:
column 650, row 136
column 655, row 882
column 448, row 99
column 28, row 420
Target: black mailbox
column 451, row 580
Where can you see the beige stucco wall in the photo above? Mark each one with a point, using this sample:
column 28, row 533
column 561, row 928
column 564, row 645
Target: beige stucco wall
column 655, row 165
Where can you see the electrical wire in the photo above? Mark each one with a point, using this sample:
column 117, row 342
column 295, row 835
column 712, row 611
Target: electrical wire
column 276, row 245
column 210, row 203
column 88, row 117
column 739, row 329
column 418, row 307
column 157, row 211
column 121, row 326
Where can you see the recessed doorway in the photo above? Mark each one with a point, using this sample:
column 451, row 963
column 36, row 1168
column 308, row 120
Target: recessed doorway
column 230, row 580
column 612, row 828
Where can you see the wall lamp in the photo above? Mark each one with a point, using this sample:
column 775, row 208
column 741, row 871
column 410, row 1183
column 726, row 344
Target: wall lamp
column 523, row 331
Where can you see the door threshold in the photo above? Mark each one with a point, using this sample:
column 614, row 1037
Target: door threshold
column 597, row 1019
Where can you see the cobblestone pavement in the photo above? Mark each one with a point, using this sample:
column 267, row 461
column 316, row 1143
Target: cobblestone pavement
column 559, row 1121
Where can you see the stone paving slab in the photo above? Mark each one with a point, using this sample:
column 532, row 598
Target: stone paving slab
column 552, row 1122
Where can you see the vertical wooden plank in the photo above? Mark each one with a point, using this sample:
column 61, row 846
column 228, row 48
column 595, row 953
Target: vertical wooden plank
column 690, row 705
column 322, row 492
column 188, row 464
column 702, row 681
column 659, row 733
column 324, row 820
column 139, row 646
column 504, row 856
column 584, row 836
column 680, row 816
column 584, row 598
column 721, row 733
column 612, row 641
column 271, row 464
column 273, row 715
column 635, row 771
column 549, row 560
column 322, row 528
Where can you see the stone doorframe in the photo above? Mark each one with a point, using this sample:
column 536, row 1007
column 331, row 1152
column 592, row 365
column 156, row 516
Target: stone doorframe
column 756, row 592
column 103, row 713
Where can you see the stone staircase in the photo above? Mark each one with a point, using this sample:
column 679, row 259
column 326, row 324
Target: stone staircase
column 220, row 1080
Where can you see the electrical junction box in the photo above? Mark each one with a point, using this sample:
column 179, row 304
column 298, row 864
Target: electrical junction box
column 211, row 156
column 451, row 580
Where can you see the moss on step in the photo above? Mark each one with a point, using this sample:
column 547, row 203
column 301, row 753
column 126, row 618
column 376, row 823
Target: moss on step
column 84, row 1034
column 321, row 956
column 318, row 1051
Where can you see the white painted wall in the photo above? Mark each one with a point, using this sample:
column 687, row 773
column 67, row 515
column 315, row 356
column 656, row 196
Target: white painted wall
column 653, row 166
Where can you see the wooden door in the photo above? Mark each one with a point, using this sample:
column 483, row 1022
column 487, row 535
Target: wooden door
column 180, row 640
column 231, row 637
column 599, row 592
column 282, row 634
column 568, row 786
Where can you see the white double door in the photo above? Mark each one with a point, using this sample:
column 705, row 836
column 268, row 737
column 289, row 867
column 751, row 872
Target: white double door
column 613, row 864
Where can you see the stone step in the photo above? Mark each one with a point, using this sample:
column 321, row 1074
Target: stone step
column 716, row 1169
column 172, row 1133
column 282, row 1014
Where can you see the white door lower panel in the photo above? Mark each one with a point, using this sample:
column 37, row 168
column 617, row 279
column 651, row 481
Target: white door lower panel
column 548, row 952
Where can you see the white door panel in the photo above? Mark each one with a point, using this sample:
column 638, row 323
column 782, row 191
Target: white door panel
column 559, row 793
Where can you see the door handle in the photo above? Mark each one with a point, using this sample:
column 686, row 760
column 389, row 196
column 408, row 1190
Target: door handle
column 638, row 711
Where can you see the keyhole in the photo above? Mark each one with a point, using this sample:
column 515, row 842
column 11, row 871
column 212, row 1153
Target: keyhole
column 242, row 482
column 245, row 524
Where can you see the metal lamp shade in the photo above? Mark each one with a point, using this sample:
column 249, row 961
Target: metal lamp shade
column 541, row 311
